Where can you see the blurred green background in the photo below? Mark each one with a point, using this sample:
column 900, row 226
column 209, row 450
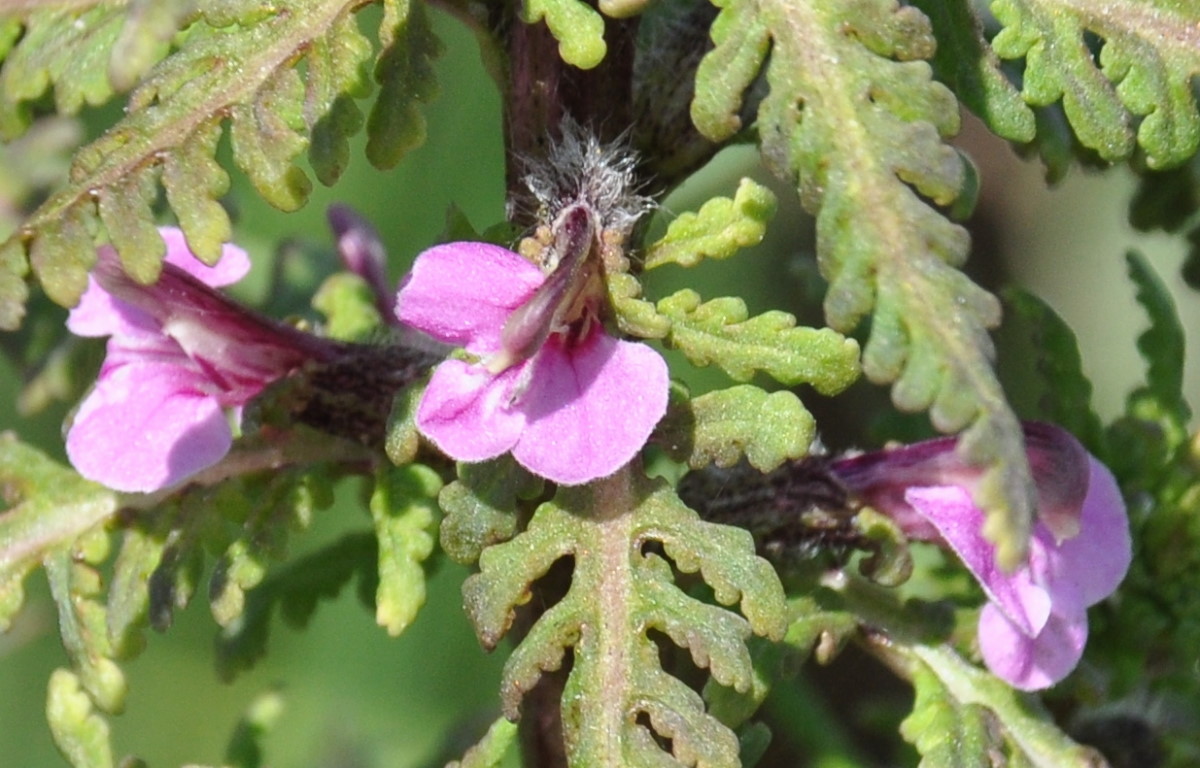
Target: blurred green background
column 354, row 697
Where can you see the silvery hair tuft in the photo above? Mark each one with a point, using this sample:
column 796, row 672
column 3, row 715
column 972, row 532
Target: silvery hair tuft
column 581, row 169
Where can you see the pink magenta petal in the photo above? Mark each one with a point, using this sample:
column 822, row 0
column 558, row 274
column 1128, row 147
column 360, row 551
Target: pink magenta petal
column 146, row 427
column 590, row 408
column 462, row 293
column 1096, row 560
column 99, row 314
column 466, row 412
column 232, row 266
column 1028, row 663
column 951, row 510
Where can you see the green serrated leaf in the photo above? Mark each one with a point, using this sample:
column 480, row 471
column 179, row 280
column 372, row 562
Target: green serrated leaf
column 1150, row 53
column 194, row 181
column 266, row 136
column 481, row 506
column 720, row 229
column 246, row 72
column 47, row 508
column 129, row 595
column 404, row 72
column 619, row 591
column 954, row 697
column 295, row 590
column 404, row 510
column 1069, row 398
column 190, row 525
column 578, row 28
column 491, row 749
column 946, row 735
column 952, row 694
column 635, row 316
column 1162, row 345
column 966, row 63
column 74, row 585
column 145, row 38
column 64, row 48
column 720, row 427
column 337, row 74
column 856, row 119
column 81, row 735
column 272, row 504
column 720, row 332
column 63, row 254
column 125, row 210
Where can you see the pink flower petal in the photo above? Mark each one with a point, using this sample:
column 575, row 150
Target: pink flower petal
column 960, row 523
column 1031, row 663
column 232, row 266
column 462, row 293
column 590, row 408
column 98, row 313
column 466, row 412
column 147, row 427
column 1096, row 560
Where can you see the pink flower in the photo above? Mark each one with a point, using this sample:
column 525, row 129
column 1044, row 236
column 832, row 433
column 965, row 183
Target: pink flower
column 179, row 353
column 1034, row 627
column 573, row 405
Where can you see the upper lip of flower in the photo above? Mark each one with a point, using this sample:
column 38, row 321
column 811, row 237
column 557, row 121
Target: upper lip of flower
column 1059, row 463
column 559, row 302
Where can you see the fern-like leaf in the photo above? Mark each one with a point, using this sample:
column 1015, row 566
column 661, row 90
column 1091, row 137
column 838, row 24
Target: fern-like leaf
column 620, row 592
column 481, row 506
column 270, row 505
column 240, row 66
column 720, row 332
column 963, row 716
column 1162, row 346
column 721, row 427
column 404, row 510
column 854, row 115
column 86, row 56
column 966, row 63
column 1068, row 401
column 80, row 733
column 74, row 585
column 64, row 49
column 47, row 508
column 718, row 230
column 295, row 590
column 405, row 75
column 1150, row 54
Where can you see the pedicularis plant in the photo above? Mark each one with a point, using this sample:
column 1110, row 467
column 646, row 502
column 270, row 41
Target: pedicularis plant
column 657, row 561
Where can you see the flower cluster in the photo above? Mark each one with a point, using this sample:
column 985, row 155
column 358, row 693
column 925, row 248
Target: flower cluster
column 570, row 402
